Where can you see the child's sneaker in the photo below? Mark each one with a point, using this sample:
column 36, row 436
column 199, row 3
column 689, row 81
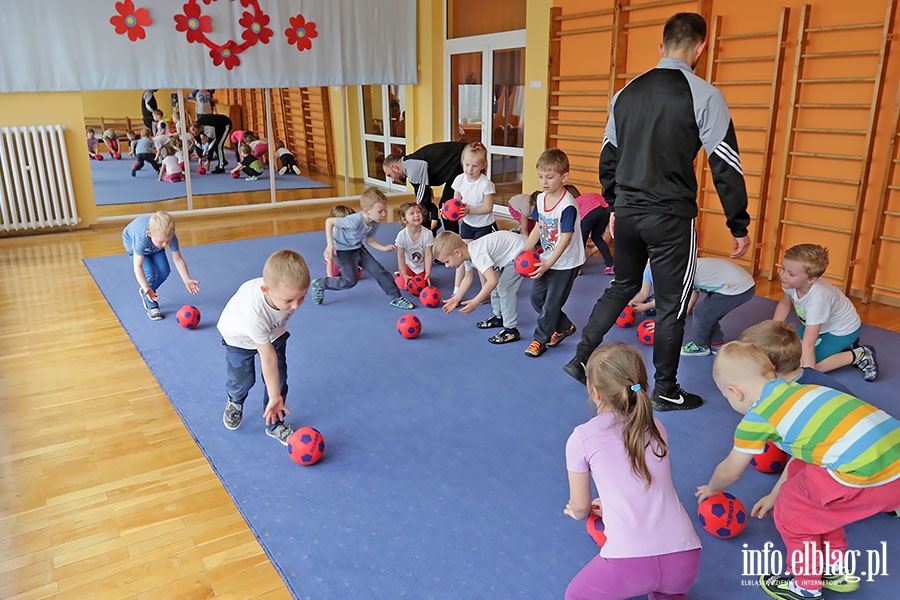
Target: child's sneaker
column 281, row 432
column 403, row 303
column 491, row 323
column 234, row 414
column 505, row 336
column 559, row 336
column 296, row 169
column 251, row 178
column 317, row 288
column 692, row 349
column 535, row 349
column 155, row 314
column 839, row 583
column 864, row 359
column 714, row 347
column 784, row 588
column 282, row 170
column 575, row 368
column 610, row 270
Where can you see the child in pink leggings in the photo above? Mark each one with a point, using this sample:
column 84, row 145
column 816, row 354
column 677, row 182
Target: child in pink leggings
column 651, row 545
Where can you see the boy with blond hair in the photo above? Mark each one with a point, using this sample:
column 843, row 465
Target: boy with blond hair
column 496, row 250
column 781, row 344
column 830, row 325
column 254, row 321
column 559, row 231
column 844, row 466
column 345, row 241
column 146, row 239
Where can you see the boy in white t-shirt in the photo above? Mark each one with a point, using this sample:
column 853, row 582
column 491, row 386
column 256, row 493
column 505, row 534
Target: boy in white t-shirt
column 497, row 250
column 727, row 286
column 830, row 324
column 559, row 231
column 414, row 244
column 254, row 321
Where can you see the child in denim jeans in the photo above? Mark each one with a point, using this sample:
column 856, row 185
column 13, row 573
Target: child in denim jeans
column 254, row 321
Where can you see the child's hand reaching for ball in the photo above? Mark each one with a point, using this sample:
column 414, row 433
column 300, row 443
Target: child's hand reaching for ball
column 275, row 411
column 450, row 304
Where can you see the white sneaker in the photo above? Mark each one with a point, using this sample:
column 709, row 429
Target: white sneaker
column 282, row 170
column 296, row 169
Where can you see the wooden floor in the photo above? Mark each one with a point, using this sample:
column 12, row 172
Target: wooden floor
column 104, row 493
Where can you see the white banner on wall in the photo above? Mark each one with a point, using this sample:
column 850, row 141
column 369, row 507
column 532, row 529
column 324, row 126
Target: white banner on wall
column 76, row 45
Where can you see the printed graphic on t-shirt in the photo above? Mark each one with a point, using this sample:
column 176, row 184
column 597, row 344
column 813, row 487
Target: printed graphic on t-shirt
column 549, row 233
column 800, row 313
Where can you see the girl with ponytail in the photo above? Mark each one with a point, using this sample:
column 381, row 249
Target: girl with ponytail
column 651, row 545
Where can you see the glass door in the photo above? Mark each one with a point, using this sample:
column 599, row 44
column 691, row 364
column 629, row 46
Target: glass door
column 383, row 109
column 485, row 99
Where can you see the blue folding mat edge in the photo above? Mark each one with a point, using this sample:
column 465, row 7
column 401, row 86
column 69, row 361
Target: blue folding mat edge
column 444, row 472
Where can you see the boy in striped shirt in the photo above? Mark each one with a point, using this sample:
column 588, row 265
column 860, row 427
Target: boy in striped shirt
column 845, row 466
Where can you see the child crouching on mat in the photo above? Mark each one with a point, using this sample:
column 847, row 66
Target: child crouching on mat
column 288, row 163
column 651, row 545
column 414, row 245
column 251, row 166
column 145, row 240
column 346, row 238
column 170, row 170
column 111, row 141
column 496, row 250
column 254, row 321
column 844, row 466
column 331, row 269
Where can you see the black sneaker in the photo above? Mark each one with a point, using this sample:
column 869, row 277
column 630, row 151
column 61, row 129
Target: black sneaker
column 575, row 368
column 491, row 323
column 218, row 170
column 505, row 336
column 678, row 399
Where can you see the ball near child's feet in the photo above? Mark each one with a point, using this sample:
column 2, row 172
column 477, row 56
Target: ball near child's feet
column 117, row 156
column 235, row 174
column 409, row 326
column 201, row 171
column 188, row 316
column 306, row 446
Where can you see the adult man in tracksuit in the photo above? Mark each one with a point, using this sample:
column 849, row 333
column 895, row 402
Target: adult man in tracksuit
column 656, row 126
column 434, row 164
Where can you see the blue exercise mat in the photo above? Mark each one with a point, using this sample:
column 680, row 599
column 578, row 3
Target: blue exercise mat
column 113, row 183
column 444, row 473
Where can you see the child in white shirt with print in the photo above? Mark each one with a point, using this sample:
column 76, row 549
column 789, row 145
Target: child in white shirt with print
column 414, row 245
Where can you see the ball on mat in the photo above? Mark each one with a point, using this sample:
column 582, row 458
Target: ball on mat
column 117, row 156
column 452, row 209
column 188, row 316
column 409, row 326
column 527, row 262
column 235, row 174
column 595, row 529
column 306, row 446
column 645, row 331
column 627, row 317
column 722, row 515
column 416, row 284
column 430, row 297
column 772, row 460
column 201, row 171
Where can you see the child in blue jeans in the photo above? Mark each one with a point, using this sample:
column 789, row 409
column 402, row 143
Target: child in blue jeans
column 145, row 240
column 254, row 321
column 346, row 238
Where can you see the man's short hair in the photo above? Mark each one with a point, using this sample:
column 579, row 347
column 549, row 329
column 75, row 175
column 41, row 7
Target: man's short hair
column 684, row 30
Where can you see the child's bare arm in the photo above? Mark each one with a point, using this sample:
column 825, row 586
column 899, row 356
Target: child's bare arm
column 401, row 264
column 783, row 309
column 695, row 295
column 379, row 246
column 579, row 505
column 485, row 208
column 490, row 282
column 268, row 360
column 453, row 301
column 329, row 237
column 533, row 238
column 764, row 505
column 727, row 472
column 808, row 343
column 429, row 261
column 192, row 285
column 141, row 277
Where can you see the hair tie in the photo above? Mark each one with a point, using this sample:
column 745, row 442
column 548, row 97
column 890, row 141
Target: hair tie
column 636, row 387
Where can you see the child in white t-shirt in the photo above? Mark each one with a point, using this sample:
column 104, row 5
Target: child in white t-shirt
column 727, row 286
column 497, row 250
column 170, row 170
column 830, row 324
column 476, row 191
column 414, row 245
column 254, row 321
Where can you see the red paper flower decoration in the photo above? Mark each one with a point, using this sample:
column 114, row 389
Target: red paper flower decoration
column 196, row 26
column 130, row 21
column 301, row 33
column 192, row 22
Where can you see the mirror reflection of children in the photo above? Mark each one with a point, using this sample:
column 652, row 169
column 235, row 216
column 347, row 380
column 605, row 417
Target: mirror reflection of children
column 170, row 170
column 251, row 166
column 111, row 141
column 286, row 157
column 93, row 144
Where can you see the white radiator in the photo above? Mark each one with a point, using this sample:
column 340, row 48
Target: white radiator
column 35, row 180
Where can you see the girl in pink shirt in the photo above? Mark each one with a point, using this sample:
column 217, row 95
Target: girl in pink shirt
column 651, row 545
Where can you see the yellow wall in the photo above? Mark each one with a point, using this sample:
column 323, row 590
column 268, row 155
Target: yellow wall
column 62, row 108
column 127, row 103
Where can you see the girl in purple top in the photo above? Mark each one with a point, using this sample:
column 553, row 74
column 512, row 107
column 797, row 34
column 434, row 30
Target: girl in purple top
column 651, row 545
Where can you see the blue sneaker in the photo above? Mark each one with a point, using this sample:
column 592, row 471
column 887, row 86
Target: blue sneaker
column 317, row 287
column 692, row 349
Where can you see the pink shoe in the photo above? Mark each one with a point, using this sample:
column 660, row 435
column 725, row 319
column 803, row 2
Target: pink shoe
column 611, row 270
